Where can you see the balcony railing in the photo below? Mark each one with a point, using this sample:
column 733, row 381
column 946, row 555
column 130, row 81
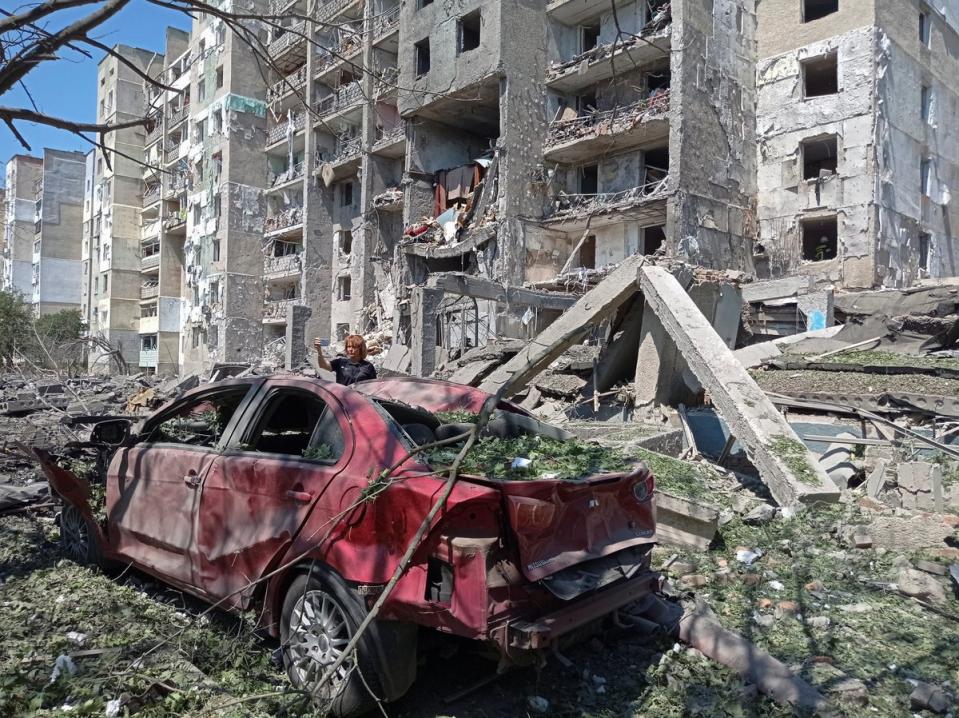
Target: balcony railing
column 288, row 84
column 151, row 194
column 571, row 205
column 347, row 46
column 149, row 357
column 177, row 184
column 177, row 115
column 283, row 220
column 344, row 97
column 659, row 22
column 282, row 266
column 608, row 122
column 149, row 290
column 277, row 7
column 150, row 261
column 277, row 308
column 292, row 35
column 347, row 150
column 389, row 135
column 387, row 21
column 289, row 175
column 386, row 81
column 150, row 229
column 154, row 134
column 175, row 221
column 278, row 133
column 326, row 10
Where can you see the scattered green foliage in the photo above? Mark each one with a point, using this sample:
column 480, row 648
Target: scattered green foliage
column 456, row 417
column 549, row 458
column 795, row 456
column 679, row 478
column 320, row 452
column 881, row 358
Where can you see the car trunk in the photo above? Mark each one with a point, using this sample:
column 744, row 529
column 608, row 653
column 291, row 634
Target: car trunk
column 561, row 523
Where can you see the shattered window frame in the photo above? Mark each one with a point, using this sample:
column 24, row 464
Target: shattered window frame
column 267, row 410
column 225, row 426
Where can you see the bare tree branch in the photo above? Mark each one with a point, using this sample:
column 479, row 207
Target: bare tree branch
column 39, row 11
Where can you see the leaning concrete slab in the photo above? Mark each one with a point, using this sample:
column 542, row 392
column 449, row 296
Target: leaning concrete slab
column 593, row 307
column 785, row 465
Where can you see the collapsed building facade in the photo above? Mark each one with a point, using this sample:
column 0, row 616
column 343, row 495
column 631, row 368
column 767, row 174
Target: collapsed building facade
column 442, row 174
column 41, row 229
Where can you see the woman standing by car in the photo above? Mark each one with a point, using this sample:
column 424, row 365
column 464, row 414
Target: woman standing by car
column 351, row 368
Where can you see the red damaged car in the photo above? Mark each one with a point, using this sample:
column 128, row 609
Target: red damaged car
column 256, row 493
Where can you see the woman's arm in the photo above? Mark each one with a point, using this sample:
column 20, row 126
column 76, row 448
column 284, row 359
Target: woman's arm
column 321, row 360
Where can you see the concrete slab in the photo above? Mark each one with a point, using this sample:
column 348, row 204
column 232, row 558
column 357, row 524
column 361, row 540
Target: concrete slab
column 785, row 465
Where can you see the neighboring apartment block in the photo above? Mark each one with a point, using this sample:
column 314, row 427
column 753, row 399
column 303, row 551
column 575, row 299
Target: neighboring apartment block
column 42, row 232
column 395, row 165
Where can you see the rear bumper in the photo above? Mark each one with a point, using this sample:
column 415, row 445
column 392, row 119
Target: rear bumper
column 544, row 630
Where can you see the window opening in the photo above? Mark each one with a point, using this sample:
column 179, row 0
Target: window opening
column 589, row 179
column 821, row 76
column 346, row 241
column 820, row 238
column 925, row 34
column 819, row 157
column 343, row 288
column 469, row 31
column 587, row 253
column 653, row 238
column 422, row 57
column 816, row 9
column 200, row 422
column 588, row 37
column 925, row 240
column 298, row 424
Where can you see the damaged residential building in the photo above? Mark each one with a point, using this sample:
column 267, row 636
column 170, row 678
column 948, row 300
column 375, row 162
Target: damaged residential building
column 411, row 171
column 42, row 233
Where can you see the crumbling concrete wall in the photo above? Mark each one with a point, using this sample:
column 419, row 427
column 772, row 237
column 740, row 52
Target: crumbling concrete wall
column 711, row 132
column 60, row 270
column 904, row 137
column 785, row 120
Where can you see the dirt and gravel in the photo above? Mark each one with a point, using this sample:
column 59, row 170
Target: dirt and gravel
column 807, row 380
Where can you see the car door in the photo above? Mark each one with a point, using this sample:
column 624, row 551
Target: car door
column 291, row 445
column 153, row 487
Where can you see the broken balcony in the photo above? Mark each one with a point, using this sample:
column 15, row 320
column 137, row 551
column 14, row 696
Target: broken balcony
column 285, row 265
column 390, row 141
column 175, row 222
column 621, row 128
column 177, row 184
column 605, row 61
column 281, row 179
column 290, row 83
column 386, row 23
column 347, row 152
column 149, row 358
column 341, row 100
column 647, row 202
column 149, row 289
column 386, row 81
column 389, row 200
column 326, row 10
column 291, row 126
column 288, row 51
column 149, row 261
column 156, row 133
column 283, row 221
column 151, row 194
column 275, row 310
column 348, row 47
column 177, row 116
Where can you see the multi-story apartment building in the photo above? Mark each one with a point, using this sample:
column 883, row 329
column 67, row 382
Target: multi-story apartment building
column 857, row 141
column 113, row 251
column 42, row 233
column 398, row 166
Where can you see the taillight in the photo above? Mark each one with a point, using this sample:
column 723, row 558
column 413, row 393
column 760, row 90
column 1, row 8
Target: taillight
column 643, row 489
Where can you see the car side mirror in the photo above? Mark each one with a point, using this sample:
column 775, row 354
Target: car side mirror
column 112, row 433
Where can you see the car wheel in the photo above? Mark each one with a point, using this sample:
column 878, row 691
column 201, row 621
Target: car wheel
column 78, row 539
column 320, row 615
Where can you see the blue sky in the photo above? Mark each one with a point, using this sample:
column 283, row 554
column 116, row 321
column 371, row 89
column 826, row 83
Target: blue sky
column 67, row 87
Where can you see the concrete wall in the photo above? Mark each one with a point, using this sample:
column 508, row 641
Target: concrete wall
column 781, row 28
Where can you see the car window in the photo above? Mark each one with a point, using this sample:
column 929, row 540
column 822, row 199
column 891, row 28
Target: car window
column 297, row 423
column 200, row 422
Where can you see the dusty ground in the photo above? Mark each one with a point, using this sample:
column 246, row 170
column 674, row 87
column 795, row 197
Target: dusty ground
column 782, row 380
column 145, row 645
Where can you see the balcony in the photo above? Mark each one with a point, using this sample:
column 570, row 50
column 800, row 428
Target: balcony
column 149, row 358
column 279, row 132
column 173, row 152
column 150, row 261
column 281, row 221
column 288, row 84
column 175, row 222
column 389, row 200
column 177, row 116
column 644, row 202
column 386, row 81
column 278, row 7
column 344, row 98
column 288, row 51
column 386, row 22
column 348, row 46
column 149, row 325
column 605, row 61
column 149, row 290
column 284, row 178
column 150, row 229
column 347, row 151
column 156, row 133
column 275, row 310
column 285, row 266
column 620, row 128
column 325, row 11
column 390, row 141
column 151, row 194
column 177, row 184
